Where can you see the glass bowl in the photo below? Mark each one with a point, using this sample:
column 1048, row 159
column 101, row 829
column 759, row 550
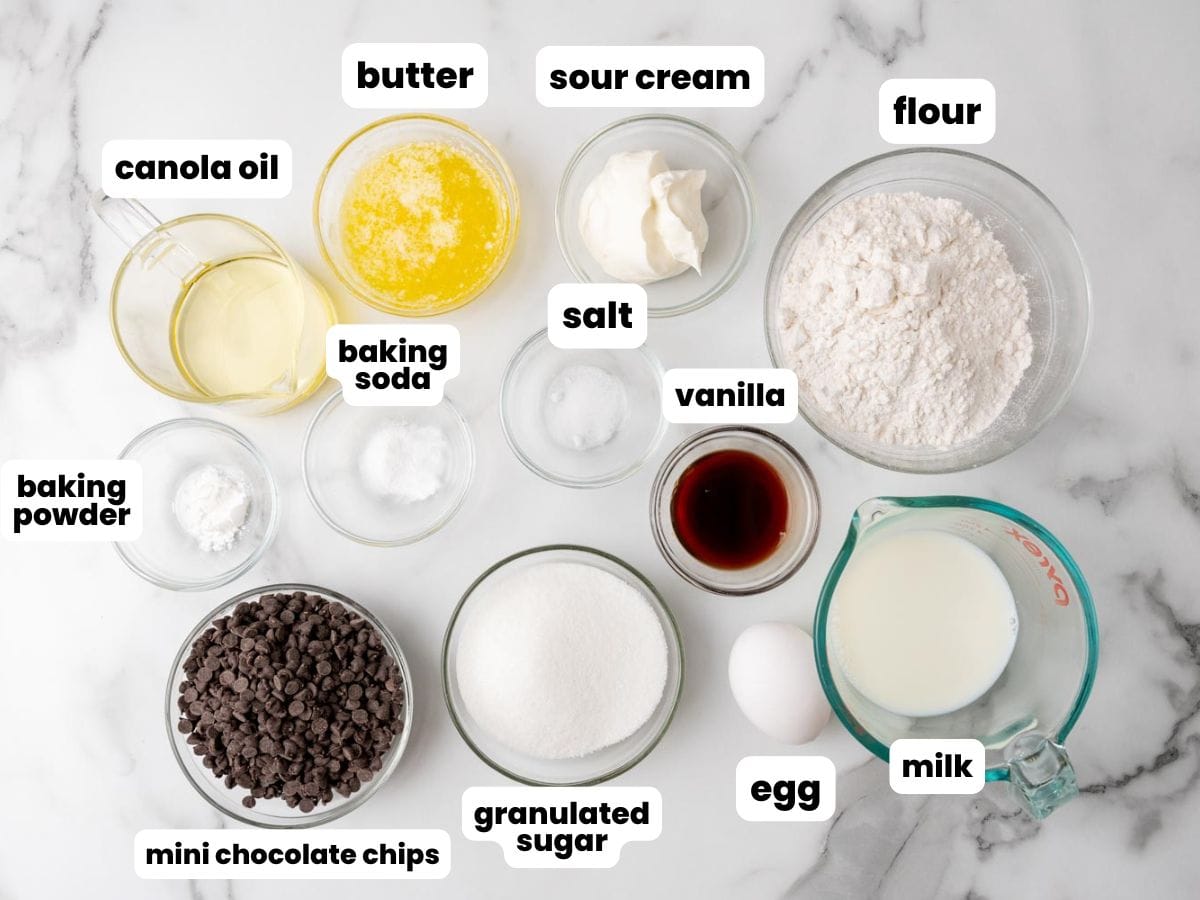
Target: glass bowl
column 524, row 398
column 727, row 199
column 363, row 146
column 276, row 813
column 1042, row 249
column 330, row 462
column 605, row 763
column 804, row 511
column 165, row 554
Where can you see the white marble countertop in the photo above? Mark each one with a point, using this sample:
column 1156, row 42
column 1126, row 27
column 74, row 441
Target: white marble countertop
column 1095, row 107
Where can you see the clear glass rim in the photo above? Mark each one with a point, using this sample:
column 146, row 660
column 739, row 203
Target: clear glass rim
column 306, row 477
column 504, row 175
column 177, row 584
column 528, row 346
column 802, row 471
column 825, row 599
column 320, row 815
column 791, row 233
column 673, row 641
column 746, row 192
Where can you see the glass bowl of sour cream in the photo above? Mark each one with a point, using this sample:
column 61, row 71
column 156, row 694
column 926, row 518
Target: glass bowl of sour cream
column 726, row 201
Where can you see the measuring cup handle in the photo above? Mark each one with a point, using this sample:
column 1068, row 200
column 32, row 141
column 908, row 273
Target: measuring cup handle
column 128, row 219
column 1041, row 774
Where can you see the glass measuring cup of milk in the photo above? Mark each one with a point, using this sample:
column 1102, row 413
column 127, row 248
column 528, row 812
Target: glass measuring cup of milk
column 1023, row 719
column 210, row 309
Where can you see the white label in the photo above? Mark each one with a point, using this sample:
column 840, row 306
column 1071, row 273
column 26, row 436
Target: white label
column 922, row 766
column 937, row 111
column 241, row 169
column 734, row 396
column 610, row 316
column 392, row 365
column 414, row 76
column 786, row 788
column 650, row 76
column 71, row 500
column 319, row 853
column 594, row 823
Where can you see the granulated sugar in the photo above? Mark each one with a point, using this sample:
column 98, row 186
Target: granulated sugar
column 904, row 320
column 559, row 660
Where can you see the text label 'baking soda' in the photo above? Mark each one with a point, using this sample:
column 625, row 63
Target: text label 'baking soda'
column 414, row 76
column 923, row 766
column 392, row 365
column 730, row 396
column 562, row 828
column 71, row 500
column 650, row 76
column 225, row 169
column 362, row 853
column 937, row 111
column 786, row 788
column 597, row 316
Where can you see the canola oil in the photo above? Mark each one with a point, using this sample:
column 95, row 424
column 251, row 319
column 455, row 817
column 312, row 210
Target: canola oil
column 424, row 225
column 239, row 330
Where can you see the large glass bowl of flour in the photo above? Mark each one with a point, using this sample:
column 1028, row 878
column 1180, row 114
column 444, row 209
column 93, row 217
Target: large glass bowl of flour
column 1042, row 251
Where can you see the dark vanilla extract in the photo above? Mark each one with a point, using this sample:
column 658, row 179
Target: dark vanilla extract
column 730, row 509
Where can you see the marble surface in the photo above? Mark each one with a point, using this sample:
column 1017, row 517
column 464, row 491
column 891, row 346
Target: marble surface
column 1095, row 106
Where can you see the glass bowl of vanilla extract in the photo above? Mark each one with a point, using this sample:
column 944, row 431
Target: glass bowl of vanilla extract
column 735, row 510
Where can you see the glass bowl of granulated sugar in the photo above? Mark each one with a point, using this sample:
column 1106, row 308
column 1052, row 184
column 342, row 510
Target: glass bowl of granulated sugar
column 934, row 306
column 562, row 666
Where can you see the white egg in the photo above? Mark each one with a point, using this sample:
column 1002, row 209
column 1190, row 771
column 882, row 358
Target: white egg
column 773, row 675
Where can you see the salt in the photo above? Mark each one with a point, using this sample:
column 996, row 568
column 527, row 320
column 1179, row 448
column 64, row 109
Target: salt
column 560, row 660
column 585, row 407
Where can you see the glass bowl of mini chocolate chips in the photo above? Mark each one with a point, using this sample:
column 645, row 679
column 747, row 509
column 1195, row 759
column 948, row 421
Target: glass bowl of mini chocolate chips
column 288, row 706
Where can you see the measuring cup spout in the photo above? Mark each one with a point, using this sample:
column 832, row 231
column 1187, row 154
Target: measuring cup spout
column 871, row 511
column 1041, row 774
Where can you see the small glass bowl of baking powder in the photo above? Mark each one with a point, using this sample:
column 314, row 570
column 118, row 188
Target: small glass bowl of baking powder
column 171, row 454
column 727, row 200
column 1043, row 252
column 387, row 476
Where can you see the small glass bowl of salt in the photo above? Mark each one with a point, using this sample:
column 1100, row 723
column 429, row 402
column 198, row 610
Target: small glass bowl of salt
column 211, row 505
column 387, row 476
column 582, row 418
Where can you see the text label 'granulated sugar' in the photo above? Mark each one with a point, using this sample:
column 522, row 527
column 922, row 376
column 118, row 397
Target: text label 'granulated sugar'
column 562, row 828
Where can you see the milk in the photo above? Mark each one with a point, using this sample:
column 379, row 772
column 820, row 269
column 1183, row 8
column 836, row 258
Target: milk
column 922, row 622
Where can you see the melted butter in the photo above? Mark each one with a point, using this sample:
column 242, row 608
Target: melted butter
column 424, row 225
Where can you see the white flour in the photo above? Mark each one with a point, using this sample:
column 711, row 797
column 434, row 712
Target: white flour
column 905, row 320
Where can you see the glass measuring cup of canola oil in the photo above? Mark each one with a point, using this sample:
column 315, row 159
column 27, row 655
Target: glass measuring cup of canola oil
column 1023, row 718
column 210, row 309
